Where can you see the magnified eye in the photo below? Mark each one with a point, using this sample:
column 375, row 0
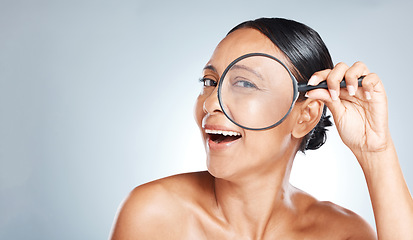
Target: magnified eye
column 245, row 84
column 208, row 82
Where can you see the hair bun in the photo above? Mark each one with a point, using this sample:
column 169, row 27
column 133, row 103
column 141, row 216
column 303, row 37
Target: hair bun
column 317, row 137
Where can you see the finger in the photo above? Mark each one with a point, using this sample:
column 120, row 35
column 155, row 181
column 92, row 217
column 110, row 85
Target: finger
column 336, row 107
column 334, row 79
column 352, row 75
column 372, row 86
column 318, row 77
column 320, row 94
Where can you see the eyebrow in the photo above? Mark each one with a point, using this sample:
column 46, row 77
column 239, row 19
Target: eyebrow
column 240, row 66
column 210, row 67
column 236, row 66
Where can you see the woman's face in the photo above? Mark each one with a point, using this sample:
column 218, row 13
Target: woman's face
column 249, row 151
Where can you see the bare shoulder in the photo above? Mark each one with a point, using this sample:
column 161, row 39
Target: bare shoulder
column 150, row 209
column 341, row 222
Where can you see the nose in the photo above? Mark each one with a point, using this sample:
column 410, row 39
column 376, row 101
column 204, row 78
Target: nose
column 211, row 103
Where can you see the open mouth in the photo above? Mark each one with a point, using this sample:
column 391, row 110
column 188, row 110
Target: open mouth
column 221, row 136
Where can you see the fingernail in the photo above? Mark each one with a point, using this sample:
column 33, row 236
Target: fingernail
column 333, row 94
column 306, row 95
column 351, row 90
column 312, row 81
column 368, row 95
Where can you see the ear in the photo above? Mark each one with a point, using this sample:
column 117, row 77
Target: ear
column 310, row 114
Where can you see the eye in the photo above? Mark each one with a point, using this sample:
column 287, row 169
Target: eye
column 208, row 82
column 245, row 84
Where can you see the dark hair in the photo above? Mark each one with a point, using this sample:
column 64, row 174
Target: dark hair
column 307, row 54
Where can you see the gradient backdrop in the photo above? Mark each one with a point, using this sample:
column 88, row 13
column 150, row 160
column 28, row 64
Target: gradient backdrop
column 96, row 97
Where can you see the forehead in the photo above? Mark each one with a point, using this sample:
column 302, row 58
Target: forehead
column 240, row 42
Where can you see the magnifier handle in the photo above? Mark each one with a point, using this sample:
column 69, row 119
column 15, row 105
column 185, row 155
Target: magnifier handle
column 302, row 87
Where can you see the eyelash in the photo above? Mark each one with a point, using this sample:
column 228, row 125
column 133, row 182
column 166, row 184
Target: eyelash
column 204, row 81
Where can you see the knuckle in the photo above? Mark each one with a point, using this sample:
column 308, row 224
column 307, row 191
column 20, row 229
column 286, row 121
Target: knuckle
column 341, row 64
column 350, row 75
column 370, row 79
column 359, row 63
column 374, row 75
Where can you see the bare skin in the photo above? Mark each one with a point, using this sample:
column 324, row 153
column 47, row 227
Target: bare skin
column 185, row 207
column 246, row 192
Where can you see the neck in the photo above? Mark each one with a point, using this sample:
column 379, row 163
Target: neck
column 250, row 204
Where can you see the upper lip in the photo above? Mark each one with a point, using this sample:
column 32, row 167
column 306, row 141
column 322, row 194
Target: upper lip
column 220, row 130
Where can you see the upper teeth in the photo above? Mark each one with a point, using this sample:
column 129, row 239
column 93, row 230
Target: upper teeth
column 225, row 133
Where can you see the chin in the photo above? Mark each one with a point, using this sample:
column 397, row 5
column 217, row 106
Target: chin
column 219, row 167
column 227, row 168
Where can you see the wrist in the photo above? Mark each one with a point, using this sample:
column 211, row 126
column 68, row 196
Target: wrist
column 372, row 160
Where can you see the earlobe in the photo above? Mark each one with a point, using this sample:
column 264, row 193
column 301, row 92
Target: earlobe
column 310, row 115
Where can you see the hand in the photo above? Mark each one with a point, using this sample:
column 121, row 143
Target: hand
column 360, row 113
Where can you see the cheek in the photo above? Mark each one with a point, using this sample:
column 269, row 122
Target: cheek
column 265, row 141
column 270, row 144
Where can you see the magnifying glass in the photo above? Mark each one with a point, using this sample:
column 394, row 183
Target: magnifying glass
column 257, row 91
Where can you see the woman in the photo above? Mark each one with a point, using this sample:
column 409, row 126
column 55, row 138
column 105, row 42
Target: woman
column 246, row 192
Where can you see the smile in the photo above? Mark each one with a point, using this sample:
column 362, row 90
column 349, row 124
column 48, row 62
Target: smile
column 222, row 136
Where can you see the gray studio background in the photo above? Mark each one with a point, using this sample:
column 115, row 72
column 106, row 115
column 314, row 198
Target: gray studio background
column 96, row 97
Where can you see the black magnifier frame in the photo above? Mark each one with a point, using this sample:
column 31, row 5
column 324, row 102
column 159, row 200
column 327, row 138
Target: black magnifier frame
column 297, row 87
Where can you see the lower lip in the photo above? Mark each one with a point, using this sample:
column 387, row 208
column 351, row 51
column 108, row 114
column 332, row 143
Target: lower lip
column 220, row 146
